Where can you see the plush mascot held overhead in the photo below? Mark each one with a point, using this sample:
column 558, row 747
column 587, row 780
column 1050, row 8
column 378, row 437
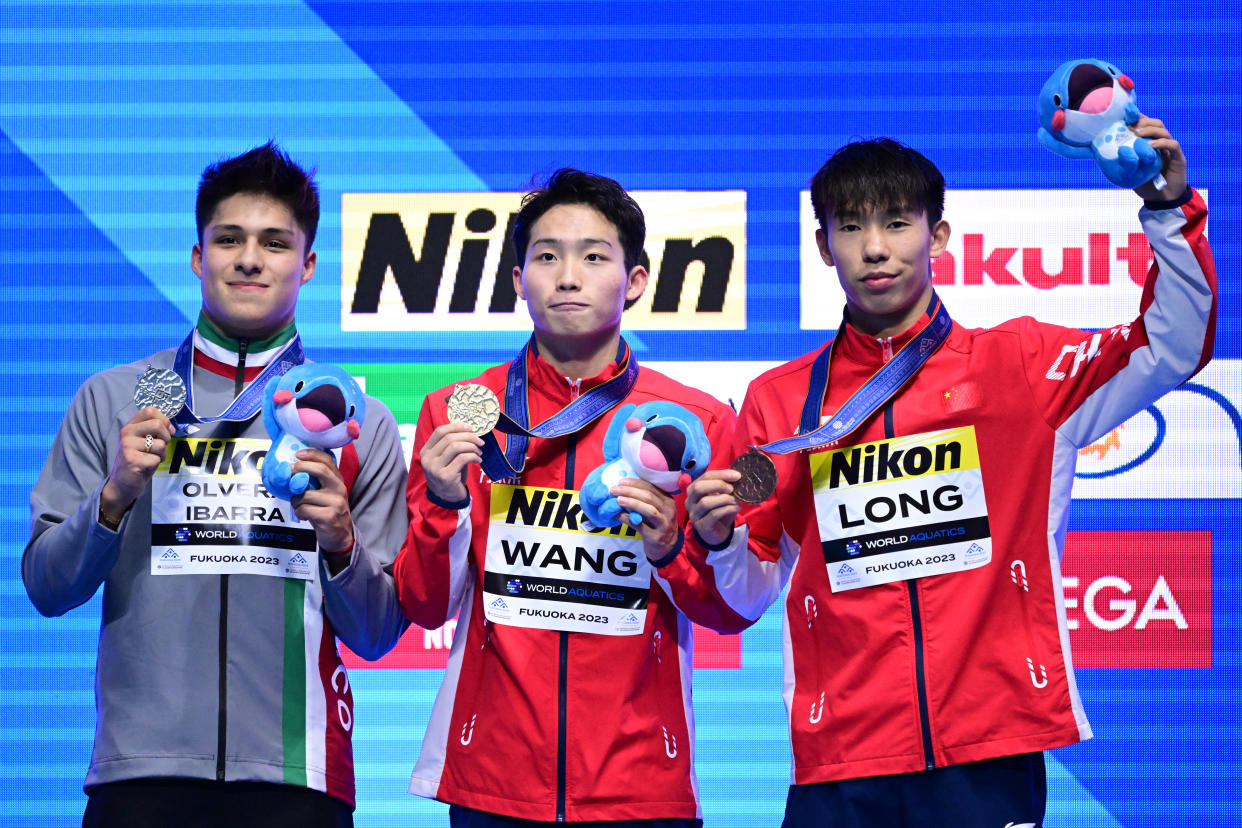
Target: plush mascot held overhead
column 1086, row 109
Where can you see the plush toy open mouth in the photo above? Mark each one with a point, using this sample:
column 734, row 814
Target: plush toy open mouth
column 1090, row 89
column 321, row 408
column 662, row 448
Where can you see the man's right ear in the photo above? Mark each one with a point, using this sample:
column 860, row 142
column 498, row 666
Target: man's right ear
column 196, row 260
column 821, row 241
column 517, row 283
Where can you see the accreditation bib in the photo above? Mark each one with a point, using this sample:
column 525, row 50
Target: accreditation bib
column 903, row 508
column 544, row 571
column 210, row 515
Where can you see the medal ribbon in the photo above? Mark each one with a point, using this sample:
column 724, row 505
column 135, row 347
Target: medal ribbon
column 250, row 400
column 581, row 412
column 874, row 393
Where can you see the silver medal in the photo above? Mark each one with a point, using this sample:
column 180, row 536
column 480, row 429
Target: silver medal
column 161, row 388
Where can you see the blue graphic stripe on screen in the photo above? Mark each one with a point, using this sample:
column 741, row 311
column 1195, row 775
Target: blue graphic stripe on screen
column 122, row 110
column 674, row 109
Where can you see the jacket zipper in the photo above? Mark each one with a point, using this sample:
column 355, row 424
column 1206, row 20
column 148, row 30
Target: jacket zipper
column 916, row 619
column 222, row 718
column 562, row 688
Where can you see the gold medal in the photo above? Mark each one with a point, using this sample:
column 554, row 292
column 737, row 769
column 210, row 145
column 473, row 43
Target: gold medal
column 476, row 406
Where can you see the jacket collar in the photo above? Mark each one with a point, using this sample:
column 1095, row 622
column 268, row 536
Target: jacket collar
column 555, row 385
column 865, row 349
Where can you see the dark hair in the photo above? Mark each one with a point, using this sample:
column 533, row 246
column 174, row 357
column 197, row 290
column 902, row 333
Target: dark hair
column 265, row 170
column 569, row 186
column 879, row 174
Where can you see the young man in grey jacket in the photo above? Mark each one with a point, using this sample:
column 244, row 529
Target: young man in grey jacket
column 220, row 695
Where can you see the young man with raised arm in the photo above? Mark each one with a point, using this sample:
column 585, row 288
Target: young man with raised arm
column 923, row 467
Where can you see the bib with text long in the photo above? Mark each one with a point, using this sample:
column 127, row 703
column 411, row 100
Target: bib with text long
column 902, row 508
column 544, row 571
column 210, row 515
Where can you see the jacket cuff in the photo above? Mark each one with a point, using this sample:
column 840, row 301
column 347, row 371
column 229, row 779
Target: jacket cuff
column 724, row 544
column 446, row 504
column 338, row 562
column 673, row 553
column 1171, row 205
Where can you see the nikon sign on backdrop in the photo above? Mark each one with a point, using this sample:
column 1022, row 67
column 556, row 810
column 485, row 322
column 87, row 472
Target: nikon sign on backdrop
column 443, row 262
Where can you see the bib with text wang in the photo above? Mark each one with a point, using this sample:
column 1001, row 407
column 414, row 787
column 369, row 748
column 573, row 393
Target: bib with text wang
column 210, row 515
column 902, row 508
column 544, row 571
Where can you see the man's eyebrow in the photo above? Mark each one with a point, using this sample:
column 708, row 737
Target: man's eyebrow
column 586, row 242
column 237, row 228
column 887, row 212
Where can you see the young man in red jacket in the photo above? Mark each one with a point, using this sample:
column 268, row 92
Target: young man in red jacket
column 928, row 463
column 567, row 692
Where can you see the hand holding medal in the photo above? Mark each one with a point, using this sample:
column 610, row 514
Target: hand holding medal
column 160, row 388
column 713, row 501
column 473, row 411
column 158, row 394
column 758, row 480
column 476, row 406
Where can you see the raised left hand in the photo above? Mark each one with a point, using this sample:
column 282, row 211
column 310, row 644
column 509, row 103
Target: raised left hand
column 1174, row 168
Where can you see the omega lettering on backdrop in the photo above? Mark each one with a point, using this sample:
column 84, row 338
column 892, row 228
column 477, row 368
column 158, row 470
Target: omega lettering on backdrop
column 1138, row 598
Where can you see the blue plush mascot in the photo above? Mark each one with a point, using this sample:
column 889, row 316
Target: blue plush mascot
column 315, row 405
column 659, row 442
column 1086, row 109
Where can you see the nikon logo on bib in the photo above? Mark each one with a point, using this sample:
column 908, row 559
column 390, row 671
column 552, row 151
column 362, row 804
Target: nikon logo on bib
column 210, row 515
column 903, row 508
column 543, row 570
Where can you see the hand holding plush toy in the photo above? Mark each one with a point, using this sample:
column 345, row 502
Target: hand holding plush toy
column 659, row 442
column 1086, row 109
column 315, row 405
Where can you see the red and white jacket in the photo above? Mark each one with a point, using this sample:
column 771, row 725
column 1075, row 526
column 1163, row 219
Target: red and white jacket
column 975, row 664
column 541, row 724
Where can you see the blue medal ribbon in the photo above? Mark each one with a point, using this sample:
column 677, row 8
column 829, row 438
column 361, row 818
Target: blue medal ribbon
column 515, row 419
column 250, row 400
column 871, row 396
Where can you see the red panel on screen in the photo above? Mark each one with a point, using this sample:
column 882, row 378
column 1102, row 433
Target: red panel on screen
column 1139, row 599
column 428, row 650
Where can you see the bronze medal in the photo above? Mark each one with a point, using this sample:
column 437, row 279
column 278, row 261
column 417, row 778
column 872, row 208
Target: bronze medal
column 758, row 477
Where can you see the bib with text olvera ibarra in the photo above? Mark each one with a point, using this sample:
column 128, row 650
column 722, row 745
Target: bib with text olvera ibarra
column 543, row 570
column 903, row 508
column 210, row 515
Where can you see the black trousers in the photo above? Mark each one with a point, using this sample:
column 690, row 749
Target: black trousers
column 995, row 793
column 201, row 803
column 462, row 817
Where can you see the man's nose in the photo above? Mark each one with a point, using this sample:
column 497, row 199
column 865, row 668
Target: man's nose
column 249, row 258
column 569, row 277
column 875, row 245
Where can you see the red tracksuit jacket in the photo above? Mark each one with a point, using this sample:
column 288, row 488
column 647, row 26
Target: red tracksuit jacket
column 542, row 724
